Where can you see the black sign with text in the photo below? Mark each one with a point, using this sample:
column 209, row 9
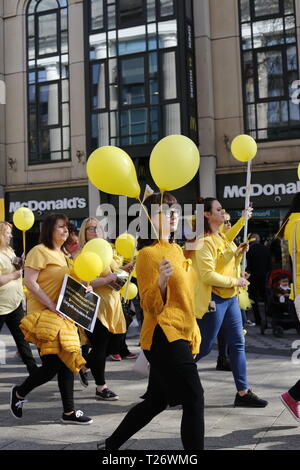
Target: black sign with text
column 77, row 304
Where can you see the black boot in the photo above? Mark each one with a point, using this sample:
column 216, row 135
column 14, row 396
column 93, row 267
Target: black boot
column 223, row 363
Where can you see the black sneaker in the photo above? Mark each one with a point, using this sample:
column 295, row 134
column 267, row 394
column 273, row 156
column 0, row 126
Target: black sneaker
column 16, row 404
column 249, row 400
column 83, row 377
column 77, row 417
column 106, row 394
column 223, row 363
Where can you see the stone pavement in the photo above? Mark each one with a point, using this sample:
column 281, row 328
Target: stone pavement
column 270, row 372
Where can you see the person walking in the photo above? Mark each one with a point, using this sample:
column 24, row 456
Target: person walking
column 12, row 295
column 55, row 336
column 259, row 264
column 169, row 334
column 216, row 261
column 231, row 232
column 290, row 231
column 110, row 320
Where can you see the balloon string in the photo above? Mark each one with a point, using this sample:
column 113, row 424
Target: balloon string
column 160, row 215
column 24, row 242
column 146, row 212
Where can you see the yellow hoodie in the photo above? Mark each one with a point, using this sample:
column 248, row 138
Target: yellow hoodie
column 292, row 224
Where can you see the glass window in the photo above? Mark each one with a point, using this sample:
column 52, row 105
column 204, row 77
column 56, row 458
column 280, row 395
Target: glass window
column 151, row 11
column 131, row 12
column 270, row 68
column 270, row 74
column 132, row 40
column 266, row 7
column 132, row 73
column 169, row 75
column 48, row 102
column 47, row 5
column 97, row 21
column 167, row 33
column 47, row 31
column 166, row 7
column 48, row 85
column 98, row 88
column 133, row 81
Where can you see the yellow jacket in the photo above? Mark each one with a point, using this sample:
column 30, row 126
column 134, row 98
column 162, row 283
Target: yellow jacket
column 216, row 265
column 292, row 224
column 233, row 232
column 54, row 335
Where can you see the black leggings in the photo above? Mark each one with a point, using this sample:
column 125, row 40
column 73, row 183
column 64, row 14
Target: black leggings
column 184, row 376
column 192, row 426
column 12, row 321
column 100, row 343
column 51, row 365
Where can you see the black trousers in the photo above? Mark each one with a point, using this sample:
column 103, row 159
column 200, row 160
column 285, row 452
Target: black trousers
column 100, row 347
column 295, row 391
column 12, row 321
column 173, row 379
column 52, row 365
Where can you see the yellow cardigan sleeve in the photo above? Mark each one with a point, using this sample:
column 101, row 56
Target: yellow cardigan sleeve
column 233, row 232
column 205, row 258
column 147, row 270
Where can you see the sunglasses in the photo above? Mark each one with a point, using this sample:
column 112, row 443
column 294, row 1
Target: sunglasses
column 227, row 222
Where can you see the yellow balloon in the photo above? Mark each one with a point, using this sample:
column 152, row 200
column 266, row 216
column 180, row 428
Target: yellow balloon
column 125, row 244
column 299, row 171
column 132, row 291
column 111, row 170
column 243, row 148
column 101, row 248
column 23, row 218
column 174, row 161
column 88, row 266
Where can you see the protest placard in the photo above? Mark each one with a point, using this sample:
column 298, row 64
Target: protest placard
column 77, row 304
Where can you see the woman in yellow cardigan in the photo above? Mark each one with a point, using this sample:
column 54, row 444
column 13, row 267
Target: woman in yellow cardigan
column 54, row 335
column 169, row 335
column 290, row 231
column 216, row 261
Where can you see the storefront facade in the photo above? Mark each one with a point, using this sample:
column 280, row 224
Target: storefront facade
column 271, row 195
column 71, row 201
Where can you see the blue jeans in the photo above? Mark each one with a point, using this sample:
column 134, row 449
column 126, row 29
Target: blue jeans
column 227, row 319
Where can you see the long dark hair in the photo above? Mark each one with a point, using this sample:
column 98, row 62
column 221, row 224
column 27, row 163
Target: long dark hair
column 295, row 207
column 46, row 236
column 155, row 199
column 207, row 202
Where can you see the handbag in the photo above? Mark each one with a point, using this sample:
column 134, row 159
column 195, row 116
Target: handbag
column 141, row 365
column 294, row 258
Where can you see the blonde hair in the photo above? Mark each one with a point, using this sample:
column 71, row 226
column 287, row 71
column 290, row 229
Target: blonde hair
column 3, row 227
column 82, row 232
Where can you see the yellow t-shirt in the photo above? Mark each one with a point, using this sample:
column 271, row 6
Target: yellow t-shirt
column 110, row 311
column 52, row 266
column 11, row 294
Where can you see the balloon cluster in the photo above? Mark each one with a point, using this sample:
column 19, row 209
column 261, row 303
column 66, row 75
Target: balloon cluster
column 95, row 257
column 174, row 161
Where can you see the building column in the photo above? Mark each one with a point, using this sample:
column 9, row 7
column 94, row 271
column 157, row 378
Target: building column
column 205, row 97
